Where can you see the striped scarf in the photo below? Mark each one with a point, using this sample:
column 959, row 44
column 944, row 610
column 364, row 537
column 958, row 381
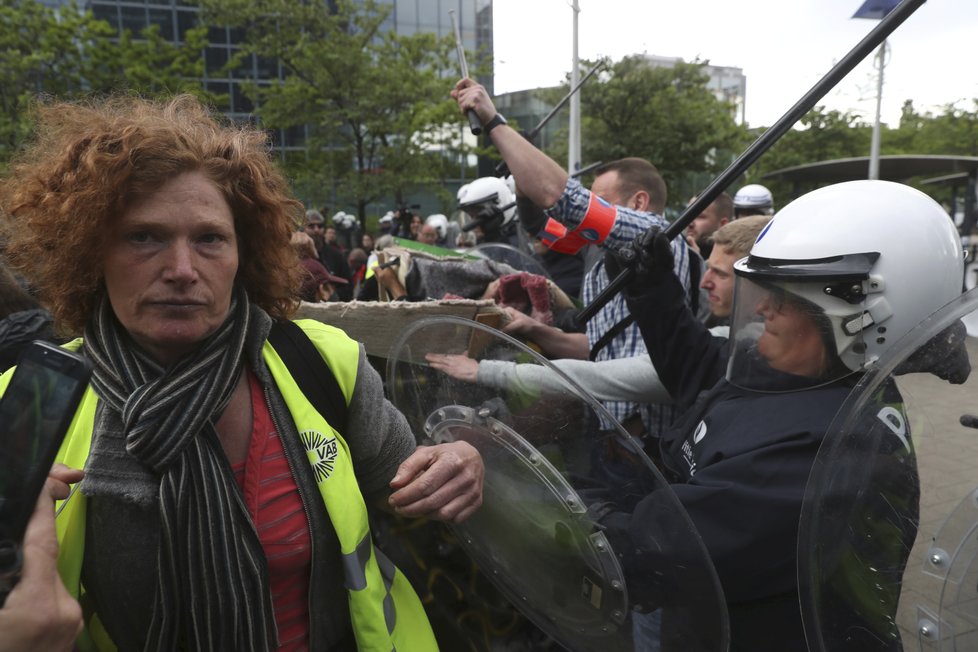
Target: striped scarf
column 213, row 590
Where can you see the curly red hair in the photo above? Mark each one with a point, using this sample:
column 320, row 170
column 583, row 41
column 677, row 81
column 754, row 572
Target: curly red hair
column 91, row 161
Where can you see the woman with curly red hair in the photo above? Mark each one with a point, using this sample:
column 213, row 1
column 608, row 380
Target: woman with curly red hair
column 220, row 508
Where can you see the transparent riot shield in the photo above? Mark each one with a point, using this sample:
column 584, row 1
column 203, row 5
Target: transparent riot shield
column 517, row 259
column 578, row 529
column 889, row 529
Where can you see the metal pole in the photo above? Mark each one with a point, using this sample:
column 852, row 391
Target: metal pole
column 475, row 126
column 574, row 131
column 879, row 33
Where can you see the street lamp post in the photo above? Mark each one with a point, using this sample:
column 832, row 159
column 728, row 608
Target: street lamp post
column 877, row 10
column 874, row 148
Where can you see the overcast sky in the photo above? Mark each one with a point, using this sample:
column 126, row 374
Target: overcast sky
column 783, row 47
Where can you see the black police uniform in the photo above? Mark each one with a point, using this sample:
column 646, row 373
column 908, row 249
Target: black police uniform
column 739, row 461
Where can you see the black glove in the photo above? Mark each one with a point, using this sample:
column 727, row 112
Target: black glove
column 532, row 217
column 650, row 258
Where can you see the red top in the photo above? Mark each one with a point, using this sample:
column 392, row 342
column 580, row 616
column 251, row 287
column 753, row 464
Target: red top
column 273, row 502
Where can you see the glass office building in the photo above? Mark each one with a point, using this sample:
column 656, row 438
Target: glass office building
column 175, row 17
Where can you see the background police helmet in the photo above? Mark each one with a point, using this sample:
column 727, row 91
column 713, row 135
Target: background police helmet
column 753, row 199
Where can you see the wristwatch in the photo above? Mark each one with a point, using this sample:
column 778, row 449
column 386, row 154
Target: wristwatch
column 497, row 120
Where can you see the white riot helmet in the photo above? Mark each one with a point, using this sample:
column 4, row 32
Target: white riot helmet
column 863, row 261
column 440, row 222
column 344, row 221
column 490, row 202
column 753, row 199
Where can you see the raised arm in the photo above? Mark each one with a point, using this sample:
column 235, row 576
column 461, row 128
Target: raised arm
column 539, row 177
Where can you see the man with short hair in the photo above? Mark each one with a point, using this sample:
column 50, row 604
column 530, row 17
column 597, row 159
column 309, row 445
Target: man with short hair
column 428, row 235
column 626, row 199
column 730, row 243
column 704, row 225
column 315, row 224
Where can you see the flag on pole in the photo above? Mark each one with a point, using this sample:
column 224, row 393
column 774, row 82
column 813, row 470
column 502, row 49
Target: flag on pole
column 876, row 9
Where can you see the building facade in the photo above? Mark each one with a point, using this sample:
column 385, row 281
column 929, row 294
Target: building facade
column 727, row 83
column 174, row 17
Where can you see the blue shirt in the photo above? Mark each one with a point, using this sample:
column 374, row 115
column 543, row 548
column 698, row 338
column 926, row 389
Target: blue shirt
column 629, row 224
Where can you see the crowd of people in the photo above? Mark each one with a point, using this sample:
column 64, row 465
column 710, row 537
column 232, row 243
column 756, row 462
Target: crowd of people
column 221, row 504
column 825, row 289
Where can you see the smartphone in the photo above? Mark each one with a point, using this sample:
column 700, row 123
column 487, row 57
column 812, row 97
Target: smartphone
column 35, row 412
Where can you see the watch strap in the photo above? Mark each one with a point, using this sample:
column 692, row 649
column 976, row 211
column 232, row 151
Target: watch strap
column 496, row 120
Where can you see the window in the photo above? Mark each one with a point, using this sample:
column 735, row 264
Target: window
column 295, row 136
column 214, row 60
column 186, row 20
column 133, row 19
column 217, row 35
column 245, row 68
column 107, row 13
column 267, row 68
column 163, row 18
column 240, row 103
column 223, row 92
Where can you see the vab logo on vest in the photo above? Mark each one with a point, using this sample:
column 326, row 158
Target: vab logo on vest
column 322, row 451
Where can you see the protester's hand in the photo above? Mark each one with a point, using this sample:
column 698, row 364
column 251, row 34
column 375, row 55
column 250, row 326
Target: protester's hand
column 461, row 367
column 442, row 482
column 387, row 277
column 650, row 258
column 518, row 323
column 472, row 95
column 491, row 290
column 691, row 243
column 39, row 613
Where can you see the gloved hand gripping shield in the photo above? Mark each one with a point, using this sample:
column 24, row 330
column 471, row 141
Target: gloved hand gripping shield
column 888, row 539
column 578, row 529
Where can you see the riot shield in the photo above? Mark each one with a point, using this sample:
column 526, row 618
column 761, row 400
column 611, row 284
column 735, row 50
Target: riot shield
column 515, row 258
column 578, row 529
column 889, row 528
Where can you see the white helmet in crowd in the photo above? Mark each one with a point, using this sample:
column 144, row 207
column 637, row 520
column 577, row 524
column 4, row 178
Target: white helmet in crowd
column 344, row 221
column 868, row 261
column 440, row 222
column 489, row 201
column 753, row 199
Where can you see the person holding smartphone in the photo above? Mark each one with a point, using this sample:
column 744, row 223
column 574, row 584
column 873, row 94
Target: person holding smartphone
column 222, row 508
column 39, row 613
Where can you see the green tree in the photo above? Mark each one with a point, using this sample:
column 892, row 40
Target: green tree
column 376, row 104
column 38, row 54
column 820, row 135
column 665, row 115
column 66, row 54
column 954, row 131
column 148, row 64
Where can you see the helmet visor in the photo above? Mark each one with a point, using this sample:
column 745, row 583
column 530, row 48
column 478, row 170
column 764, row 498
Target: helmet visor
column 782, row 340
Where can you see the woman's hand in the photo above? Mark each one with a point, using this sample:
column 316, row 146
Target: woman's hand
column 443, row 482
